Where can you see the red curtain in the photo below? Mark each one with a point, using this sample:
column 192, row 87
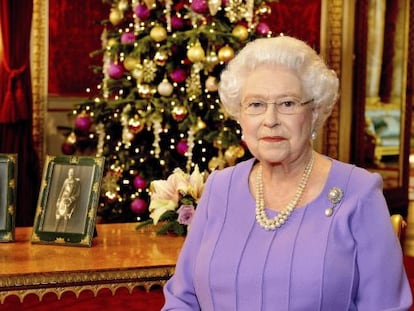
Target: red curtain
column 297, row 18
column 16, row 103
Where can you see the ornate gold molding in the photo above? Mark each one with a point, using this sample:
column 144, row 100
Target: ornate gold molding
column 39, row 66
column 331, row 48
column 58, row 283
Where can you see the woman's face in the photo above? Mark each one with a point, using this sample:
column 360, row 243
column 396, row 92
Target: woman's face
column 270, row 135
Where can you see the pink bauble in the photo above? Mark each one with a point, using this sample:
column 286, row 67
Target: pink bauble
column 139, row 206
column 262, row 28
column 115, row 70
column 127, row 37
column 178, row 75
column 68, row 148
column 199, row 6
column 83, row 122
column 177, row 22
column 139, row 182
column 142, row 11
column 182, row 147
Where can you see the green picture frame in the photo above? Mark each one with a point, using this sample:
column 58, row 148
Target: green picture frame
column 8, row 185
column 68, row 201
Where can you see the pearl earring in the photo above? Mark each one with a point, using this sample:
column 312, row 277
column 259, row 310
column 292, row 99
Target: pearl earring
column 314, row 135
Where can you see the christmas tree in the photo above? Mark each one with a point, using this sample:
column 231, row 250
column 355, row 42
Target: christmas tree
column 157, row 107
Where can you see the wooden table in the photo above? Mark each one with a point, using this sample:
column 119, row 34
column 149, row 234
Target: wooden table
column 119, row 257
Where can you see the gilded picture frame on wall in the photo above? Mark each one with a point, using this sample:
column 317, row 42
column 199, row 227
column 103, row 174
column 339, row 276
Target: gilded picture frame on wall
column 68, row 201
column 8, row 182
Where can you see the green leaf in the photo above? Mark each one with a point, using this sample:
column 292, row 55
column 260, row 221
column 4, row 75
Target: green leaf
column 144, row 223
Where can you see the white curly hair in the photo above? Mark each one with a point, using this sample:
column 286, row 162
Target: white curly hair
column 319, row 82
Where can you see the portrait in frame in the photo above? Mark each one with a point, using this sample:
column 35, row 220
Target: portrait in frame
column 8, row 180
column 68, row 201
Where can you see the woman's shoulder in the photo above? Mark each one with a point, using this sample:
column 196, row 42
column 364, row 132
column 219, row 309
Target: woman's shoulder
column 357, row 176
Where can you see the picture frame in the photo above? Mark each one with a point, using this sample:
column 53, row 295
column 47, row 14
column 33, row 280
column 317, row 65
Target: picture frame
column 8, row 186
column 68, row 201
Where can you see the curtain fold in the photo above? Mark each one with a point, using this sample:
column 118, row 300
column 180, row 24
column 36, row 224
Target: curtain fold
column 16, row 103
column 16, row 98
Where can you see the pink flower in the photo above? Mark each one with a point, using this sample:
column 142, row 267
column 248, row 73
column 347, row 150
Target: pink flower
column 185, row 214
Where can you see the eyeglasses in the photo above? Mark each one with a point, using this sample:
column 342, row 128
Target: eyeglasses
column 284, row 106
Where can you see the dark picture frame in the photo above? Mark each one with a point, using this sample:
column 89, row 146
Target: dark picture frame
column 8, row 184
column 68, row 200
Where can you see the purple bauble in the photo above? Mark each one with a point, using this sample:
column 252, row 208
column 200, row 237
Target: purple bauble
column 182, row 147
column 139, row 182
column 139, row 206
column 177, row 22
column 68, row 148
column 262, row 28
column 178, row 75
column 83, row 122
column 142, row 11
column 127, row 37
column 115, row 71
column 199, row 6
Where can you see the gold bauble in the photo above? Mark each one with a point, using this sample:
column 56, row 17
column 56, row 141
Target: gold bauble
column 179, row 113
column 158, row 33
column 138, row 72
column 218, row 143
column 263, row 9
column 212, row 59
column 233, row 153
column 145, row 91
column 216, row 163
column 165, row 88
column 112, row 42
column 131, row 62
column 149, row 3
column 240, row 32
column 240, row 151
column 230, row 156
column 135, row 125
column 160, row 58
column 115, row 17
column 71, row 139
column 225, row 54
column 211, row 84
column 201, row 124
column 196, row 53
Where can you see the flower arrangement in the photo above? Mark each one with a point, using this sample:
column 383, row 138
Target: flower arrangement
column 174, row 200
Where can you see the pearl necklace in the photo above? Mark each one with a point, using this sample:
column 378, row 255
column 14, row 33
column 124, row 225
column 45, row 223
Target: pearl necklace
column 281, row 218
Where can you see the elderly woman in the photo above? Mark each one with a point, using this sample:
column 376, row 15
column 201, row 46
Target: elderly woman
column 289, row 229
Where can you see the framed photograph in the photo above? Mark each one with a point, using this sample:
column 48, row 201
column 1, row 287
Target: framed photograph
column 8, row 183
column 68, row 201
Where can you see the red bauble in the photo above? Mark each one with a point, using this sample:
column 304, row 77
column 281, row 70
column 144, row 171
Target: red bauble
column 115, row 70
column 199, row 6
column 182, row 147
column 262, row 28
column 68, row 148
column 178, row 75
column 142, row 11
column 177, row 22
column 127, row 37
column 139, row 182
column 83, row 122
column 139, row 206
column 135, row 126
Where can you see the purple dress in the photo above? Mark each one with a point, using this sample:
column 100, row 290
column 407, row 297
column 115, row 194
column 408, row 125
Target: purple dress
column 351, row 260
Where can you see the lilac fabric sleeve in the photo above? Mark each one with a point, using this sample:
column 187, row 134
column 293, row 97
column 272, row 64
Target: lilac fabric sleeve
column 179, row 291
column 383, row 283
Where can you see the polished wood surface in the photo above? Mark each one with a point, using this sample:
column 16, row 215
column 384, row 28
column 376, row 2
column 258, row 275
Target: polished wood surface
column 119, row 256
